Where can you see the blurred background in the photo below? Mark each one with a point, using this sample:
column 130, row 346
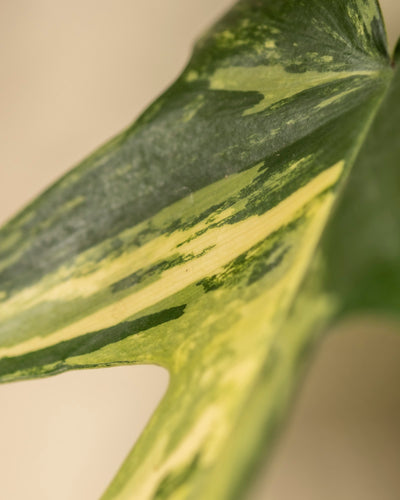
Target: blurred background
column 72, row 74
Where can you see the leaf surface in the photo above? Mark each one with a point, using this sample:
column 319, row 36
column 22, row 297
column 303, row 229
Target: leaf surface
column 250, row 207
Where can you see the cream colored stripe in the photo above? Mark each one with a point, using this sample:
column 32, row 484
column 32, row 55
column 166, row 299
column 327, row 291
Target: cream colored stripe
column 230, row 240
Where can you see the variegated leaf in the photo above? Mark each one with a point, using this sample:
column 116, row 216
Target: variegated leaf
column 250, row 206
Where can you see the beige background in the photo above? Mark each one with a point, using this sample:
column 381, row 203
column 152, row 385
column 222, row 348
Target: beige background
column 72, row 74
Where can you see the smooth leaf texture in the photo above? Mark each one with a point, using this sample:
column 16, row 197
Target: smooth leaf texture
column 250, row 207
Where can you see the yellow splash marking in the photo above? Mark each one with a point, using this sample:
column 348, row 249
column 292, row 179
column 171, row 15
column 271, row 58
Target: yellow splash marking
column 192, row 76
column 230, row 241
column 274, row 83
column 364, row 17
column 300, row 163
column 335, row 98
column 192, row 108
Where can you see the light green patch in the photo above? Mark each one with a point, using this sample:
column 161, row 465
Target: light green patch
column 275, row 83
column 270, row 44
column 192, row 76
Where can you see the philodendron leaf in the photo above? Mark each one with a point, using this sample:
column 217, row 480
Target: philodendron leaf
column 250, row 207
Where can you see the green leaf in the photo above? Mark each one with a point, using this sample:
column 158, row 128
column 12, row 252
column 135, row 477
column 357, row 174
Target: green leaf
column 250, row 207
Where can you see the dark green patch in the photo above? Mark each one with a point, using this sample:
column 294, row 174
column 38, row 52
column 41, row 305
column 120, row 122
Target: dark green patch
column 263, row 267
